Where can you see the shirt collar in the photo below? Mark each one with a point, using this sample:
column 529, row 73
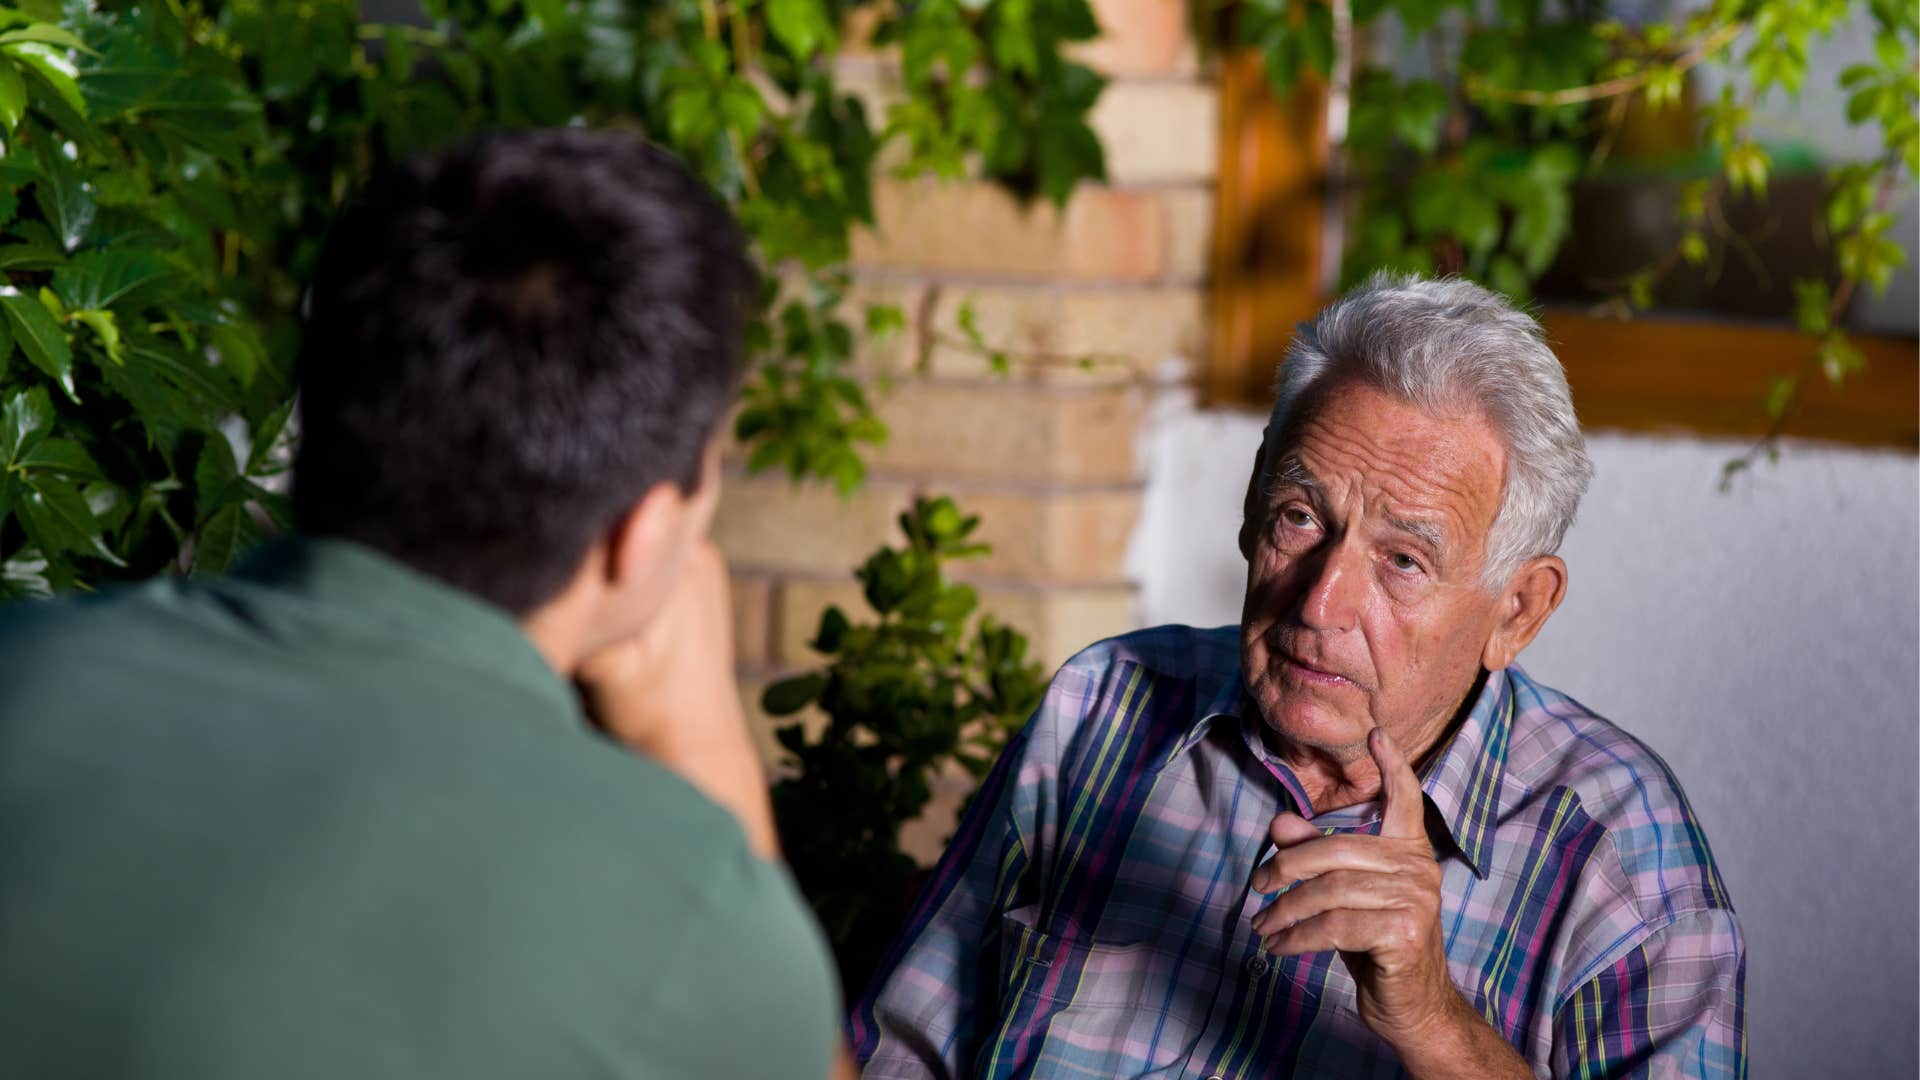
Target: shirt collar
column 355, row 588
column 1462, row 781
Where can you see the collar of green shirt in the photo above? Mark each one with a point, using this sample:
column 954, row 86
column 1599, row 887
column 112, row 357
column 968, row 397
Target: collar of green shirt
column 353, row 587
column 1462, row 781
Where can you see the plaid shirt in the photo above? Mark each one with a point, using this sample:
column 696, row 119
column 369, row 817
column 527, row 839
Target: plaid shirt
column 1092, row 917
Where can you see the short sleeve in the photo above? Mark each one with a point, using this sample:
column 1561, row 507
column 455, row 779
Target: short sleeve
column 1672, row 1006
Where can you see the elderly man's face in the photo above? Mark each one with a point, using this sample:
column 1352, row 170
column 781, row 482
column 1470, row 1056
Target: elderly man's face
column 1363, row 600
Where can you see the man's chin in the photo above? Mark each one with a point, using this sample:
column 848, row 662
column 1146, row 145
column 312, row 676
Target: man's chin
column 1312, row 725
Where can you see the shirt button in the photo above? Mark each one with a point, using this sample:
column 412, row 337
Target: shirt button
column 1257, row 965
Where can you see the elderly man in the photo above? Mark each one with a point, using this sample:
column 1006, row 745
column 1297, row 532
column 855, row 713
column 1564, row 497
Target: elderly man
column 1348, row 837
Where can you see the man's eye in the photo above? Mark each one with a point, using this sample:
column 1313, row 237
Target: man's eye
column 1297, row 517
column 1404, row 562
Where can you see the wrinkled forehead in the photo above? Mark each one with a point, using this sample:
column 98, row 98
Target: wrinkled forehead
column 1398, row 459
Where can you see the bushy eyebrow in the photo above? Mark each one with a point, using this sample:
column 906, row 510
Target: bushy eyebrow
column 1290, row 471
column 1424, row 530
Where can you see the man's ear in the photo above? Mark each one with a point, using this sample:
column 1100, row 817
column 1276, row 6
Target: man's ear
column 1254, row 512
column 640, row 538
column 1529, row 597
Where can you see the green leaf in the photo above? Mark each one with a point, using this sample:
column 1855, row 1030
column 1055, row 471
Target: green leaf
column 106, row 328
column 1780, row 394
column 61, row 456
column 800, row 25
column 40, row 337
column 53, row 67
column 24, row 422
column 13, row 98
column 56, row 518
column 65, row 199
column 266, row 434
column 884, row 320
column 102, row 278
column 44, row 33
column 789, row 696
column 832, row 632
column 226, row 534
column 1811, row 302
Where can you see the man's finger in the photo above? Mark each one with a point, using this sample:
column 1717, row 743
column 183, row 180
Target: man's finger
column 1324, row 855
column 1289, row 829
column 1404, row 814
column 1357, row 890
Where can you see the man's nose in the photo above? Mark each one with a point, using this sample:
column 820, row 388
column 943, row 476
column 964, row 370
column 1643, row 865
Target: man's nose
column 1330, row 597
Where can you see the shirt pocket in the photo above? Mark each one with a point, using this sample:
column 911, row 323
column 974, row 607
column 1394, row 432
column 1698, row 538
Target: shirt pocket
column 1086, row 1007
column 1089, row 974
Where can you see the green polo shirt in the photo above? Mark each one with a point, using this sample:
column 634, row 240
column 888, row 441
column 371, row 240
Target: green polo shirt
column 328, row 818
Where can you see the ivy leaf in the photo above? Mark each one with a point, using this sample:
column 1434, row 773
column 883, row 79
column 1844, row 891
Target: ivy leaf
column 40, row 337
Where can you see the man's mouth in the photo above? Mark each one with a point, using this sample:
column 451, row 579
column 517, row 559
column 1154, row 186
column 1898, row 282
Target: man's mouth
column 1311, row 675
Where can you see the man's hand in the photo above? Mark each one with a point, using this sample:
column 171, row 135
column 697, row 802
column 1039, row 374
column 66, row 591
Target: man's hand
column 669, row 693
column 1376, row 899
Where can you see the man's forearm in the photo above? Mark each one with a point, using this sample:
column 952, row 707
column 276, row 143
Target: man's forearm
column 1461, row 1045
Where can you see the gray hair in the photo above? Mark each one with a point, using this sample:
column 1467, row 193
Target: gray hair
column 1450, row 346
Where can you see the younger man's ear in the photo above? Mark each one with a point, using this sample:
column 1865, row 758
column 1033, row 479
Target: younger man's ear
column 1529, row 597
column 639, row 538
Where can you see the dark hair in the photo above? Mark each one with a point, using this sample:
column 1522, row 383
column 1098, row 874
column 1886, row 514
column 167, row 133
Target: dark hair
column 507, row 344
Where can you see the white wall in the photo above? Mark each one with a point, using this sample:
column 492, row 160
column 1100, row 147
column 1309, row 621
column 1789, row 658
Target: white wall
column 1764, row 642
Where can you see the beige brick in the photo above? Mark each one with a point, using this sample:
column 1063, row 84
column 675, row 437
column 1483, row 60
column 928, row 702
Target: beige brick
column 1060, row 622
column 1126, row 333
column 752, row 621
column 1052, row 536
column 1189, row 233
column 1159, row 132
column 990, row 430
column 1140, row 37
column 925, row 838
column 898, row 353
column 766, row 523
column 977, row 228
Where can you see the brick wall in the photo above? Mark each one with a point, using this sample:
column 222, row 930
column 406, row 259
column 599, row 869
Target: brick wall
column 1045, row 455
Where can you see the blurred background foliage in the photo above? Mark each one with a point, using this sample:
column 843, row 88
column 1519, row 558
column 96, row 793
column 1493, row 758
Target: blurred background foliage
column 1462, row 128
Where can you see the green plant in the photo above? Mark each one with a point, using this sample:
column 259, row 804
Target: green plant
column 922, row 685
column 138, row 404
column 167, row 171
column 1470, row 171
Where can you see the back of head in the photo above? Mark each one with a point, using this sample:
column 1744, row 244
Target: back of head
column 1452, row 346
column 507, row 344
